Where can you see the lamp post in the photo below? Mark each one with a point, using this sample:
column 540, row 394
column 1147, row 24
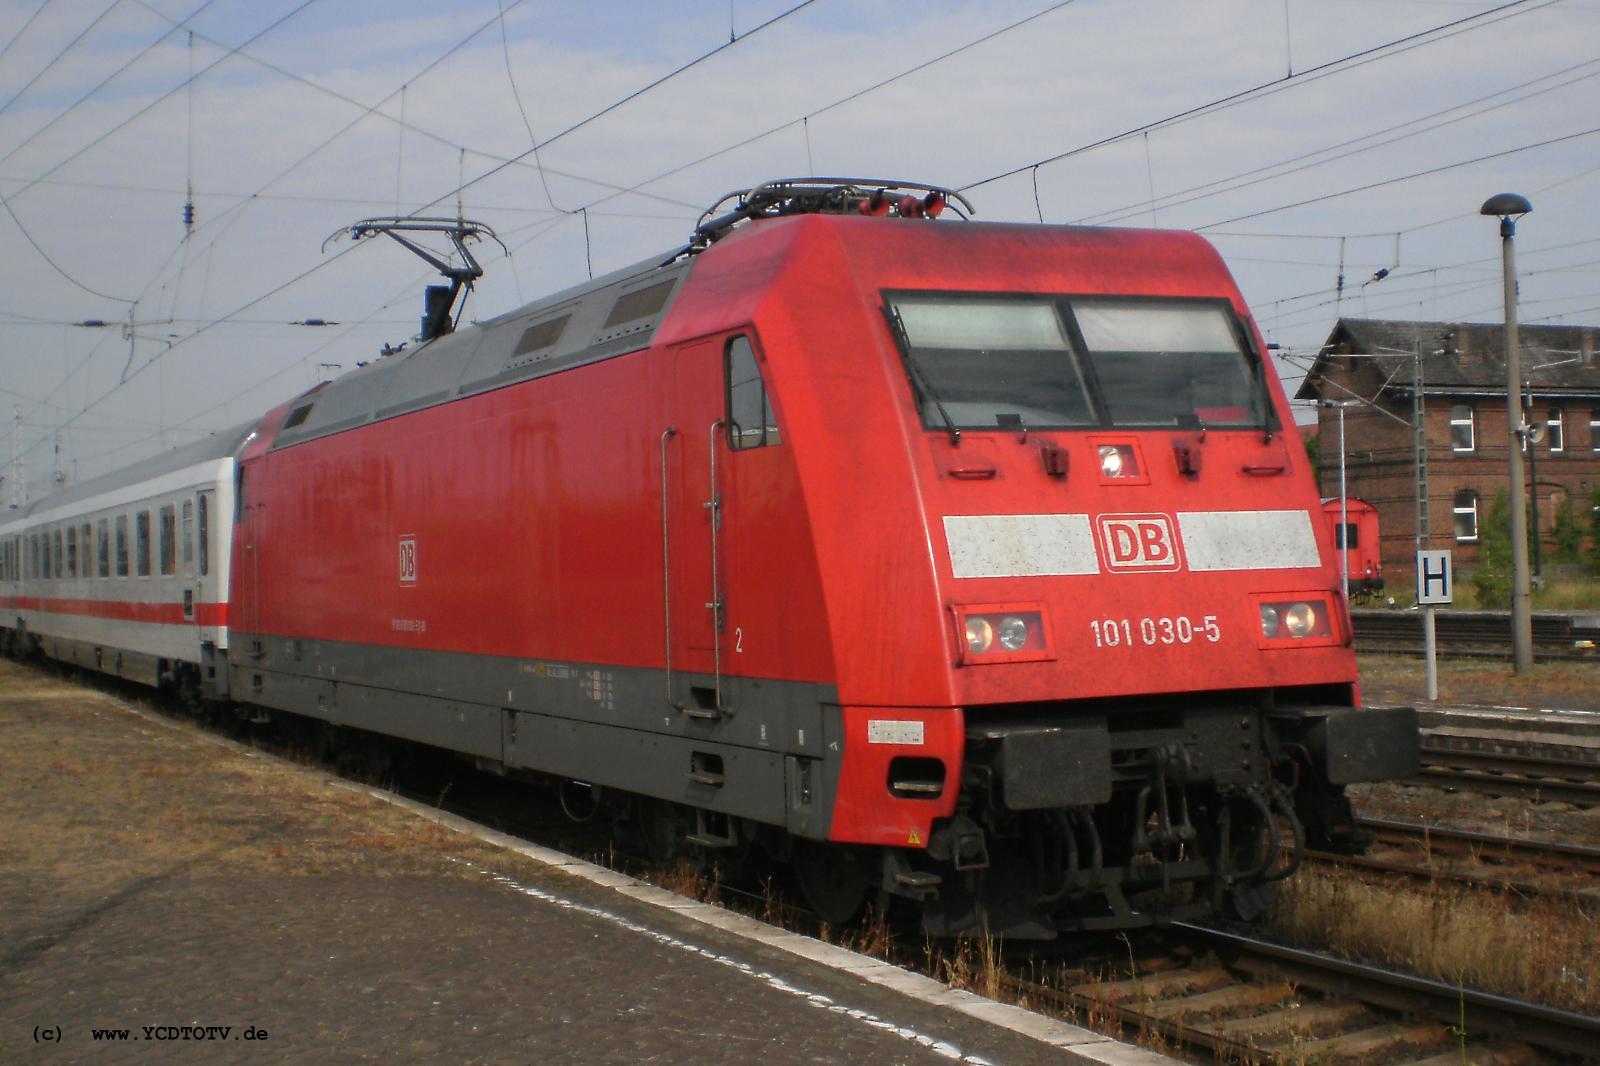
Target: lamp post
column 1344, row 499
column 1508, row 207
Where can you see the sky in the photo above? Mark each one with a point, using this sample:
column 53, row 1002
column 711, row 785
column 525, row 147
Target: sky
column 1305, row 138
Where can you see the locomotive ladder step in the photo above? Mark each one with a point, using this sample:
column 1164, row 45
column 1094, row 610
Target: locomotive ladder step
column 917, row 879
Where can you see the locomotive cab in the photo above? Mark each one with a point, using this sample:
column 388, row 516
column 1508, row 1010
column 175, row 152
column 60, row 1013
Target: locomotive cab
column 1093, row 665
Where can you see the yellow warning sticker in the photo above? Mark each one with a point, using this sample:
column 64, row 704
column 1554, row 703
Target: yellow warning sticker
column 912, row 839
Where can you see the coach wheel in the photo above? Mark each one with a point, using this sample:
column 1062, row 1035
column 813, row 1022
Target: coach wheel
column 833, row 879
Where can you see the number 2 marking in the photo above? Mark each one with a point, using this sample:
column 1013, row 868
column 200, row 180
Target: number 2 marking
column 738, row 639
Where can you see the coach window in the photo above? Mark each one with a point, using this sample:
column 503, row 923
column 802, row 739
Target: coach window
column 188, row 538
column 1466, row 516
column 60, row 556
column 205, row 532
column 169, row 539
column 141, row 543
column 1556, row 431
column 122, row 545
column 751, row 423
column 72, row 551
column 102, row 546
column 1462, row 438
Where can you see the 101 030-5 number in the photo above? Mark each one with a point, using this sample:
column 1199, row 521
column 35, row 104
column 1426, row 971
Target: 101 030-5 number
column 1132, row 632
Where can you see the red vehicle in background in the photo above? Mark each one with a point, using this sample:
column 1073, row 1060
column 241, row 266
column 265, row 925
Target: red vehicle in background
column 971, row 564
column 1357, row 537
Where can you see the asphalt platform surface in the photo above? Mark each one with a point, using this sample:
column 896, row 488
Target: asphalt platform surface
column 168, row 896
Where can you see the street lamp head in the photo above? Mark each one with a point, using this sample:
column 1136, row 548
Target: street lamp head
column 1505, row 205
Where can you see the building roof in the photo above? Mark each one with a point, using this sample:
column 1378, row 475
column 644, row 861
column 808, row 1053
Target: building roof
column 1461, row 357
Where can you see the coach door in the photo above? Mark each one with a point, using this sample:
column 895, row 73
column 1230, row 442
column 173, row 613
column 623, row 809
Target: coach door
column 692, row 517
column 248, row 530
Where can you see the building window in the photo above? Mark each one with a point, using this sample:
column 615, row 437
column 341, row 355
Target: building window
column 1466, row 516
column 1555, row 431
column 1462, row 438
column 1594, row 430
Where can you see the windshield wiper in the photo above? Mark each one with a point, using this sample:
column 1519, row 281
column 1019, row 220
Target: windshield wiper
column 920, row 376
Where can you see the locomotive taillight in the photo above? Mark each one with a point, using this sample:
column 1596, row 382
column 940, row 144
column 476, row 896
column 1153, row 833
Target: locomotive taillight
column 1003, row 633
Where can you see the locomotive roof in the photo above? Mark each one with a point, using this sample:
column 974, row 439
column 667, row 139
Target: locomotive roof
column 223, row 444
column 596, row 320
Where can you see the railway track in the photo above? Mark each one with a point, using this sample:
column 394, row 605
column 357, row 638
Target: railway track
column 1476, row 634
column 1541, row 772
column 1526, row 868
column 1236, row 998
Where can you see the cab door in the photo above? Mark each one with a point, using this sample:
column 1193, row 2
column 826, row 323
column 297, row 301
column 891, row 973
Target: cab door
column 692, row 512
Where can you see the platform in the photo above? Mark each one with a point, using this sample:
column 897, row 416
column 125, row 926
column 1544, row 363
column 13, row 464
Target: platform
column 167, row 894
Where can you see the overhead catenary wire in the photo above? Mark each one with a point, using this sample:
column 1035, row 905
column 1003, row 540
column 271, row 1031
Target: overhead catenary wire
column 136, row 371
column 1342, row 64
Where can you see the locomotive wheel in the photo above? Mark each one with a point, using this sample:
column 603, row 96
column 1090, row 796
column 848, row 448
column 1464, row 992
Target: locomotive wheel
column 833, row 879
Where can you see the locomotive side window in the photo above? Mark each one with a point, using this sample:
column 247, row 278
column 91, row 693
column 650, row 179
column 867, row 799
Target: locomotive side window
column 169, row 539
column 1461, row 431
column 1466, row 511
column 103, row 544
column 1347, row 535
column 141, row 543
column 122, row 545
column 980, row 362
column 751, row 423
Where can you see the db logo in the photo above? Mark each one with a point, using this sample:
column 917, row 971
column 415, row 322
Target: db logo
column 408, row 560
column 1137, row 542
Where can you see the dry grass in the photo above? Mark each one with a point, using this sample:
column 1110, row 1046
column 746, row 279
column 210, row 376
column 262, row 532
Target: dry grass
column 972, row 963
column 1394, row 678
column 1545, row 951
column 690, row 880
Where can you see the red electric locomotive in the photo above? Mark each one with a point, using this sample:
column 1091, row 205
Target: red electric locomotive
column 959, row 562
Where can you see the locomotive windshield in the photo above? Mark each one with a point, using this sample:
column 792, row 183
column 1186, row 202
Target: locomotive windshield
column 978, row 362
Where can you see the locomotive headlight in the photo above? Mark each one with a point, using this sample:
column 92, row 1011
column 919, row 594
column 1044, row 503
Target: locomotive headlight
column 1013, row 633
column 1003, row 633
column 1300, row 619
column 1289, row 621
column 980, row 635
column 1110, row 460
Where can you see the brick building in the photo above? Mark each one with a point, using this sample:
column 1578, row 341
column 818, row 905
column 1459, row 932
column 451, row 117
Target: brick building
column 1463, row 448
